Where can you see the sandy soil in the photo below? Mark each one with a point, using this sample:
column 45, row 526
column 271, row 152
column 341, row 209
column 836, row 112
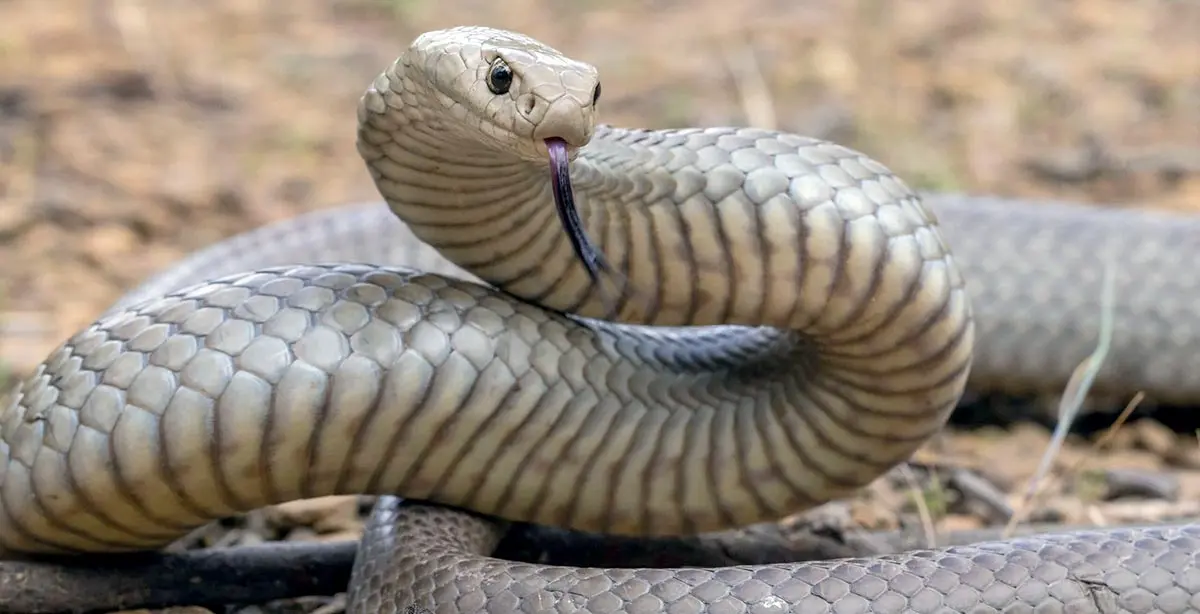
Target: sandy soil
column 134, row 131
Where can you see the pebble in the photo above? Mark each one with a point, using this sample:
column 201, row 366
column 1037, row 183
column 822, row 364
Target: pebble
column 1132, row 483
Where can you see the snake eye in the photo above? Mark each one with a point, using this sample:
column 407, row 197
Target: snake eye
column 499, row 77
column 596, row 95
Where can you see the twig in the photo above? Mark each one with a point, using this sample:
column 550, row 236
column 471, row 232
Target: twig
column 976, row 489
column 922, row 506
column 1073, row 397
column 753, row 91
column 141, row 39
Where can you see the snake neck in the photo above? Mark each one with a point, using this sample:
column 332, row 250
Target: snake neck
column 492, row 212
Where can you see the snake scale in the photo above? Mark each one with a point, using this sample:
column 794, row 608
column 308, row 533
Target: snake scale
column 791, row 321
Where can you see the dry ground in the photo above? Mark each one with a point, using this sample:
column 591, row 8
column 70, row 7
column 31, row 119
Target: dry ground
column 134, row 131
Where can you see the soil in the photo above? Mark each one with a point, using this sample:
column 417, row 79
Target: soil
column 132, row 132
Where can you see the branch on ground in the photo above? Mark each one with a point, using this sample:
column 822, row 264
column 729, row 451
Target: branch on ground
column 213, row 577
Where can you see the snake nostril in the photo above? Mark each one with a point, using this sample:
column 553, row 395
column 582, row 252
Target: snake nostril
column 528, row 104
column 596, row 95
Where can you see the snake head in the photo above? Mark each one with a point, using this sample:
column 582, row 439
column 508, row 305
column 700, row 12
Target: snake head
column 523, row 97
column 509, row 90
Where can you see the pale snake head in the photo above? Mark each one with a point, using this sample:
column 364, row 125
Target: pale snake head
column 505, row 90
column 514, row 94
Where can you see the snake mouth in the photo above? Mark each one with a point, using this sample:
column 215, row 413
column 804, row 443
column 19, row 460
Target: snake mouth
column 568, row 214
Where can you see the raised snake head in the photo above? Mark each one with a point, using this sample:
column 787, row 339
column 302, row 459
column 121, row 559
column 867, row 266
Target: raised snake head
column 505, row 89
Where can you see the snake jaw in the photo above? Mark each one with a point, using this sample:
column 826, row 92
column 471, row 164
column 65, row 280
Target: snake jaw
column 564, row 201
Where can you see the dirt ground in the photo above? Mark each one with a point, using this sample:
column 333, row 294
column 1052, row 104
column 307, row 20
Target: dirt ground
column 135, row 131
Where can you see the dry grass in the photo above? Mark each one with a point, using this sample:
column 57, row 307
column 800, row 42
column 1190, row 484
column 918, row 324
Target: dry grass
column 132, row 131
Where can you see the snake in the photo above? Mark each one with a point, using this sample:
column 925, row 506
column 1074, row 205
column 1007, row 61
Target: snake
column 630, row 332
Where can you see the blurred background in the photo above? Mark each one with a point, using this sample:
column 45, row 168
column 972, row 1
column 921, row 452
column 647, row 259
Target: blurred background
column 135, row 131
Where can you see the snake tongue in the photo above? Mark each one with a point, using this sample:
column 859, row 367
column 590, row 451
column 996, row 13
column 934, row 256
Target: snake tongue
column 568, row 213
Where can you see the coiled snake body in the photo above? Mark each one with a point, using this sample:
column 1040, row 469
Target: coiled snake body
column 839, row 332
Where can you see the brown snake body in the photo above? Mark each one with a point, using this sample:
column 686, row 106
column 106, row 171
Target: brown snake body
column 840, row 331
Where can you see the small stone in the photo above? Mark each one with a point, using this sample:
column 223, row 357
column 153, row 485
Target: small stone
column 1132, row 483
column 1185, row 455
column 322, row 514
column 351, row 535
column 1155, row 437
column 110, row 240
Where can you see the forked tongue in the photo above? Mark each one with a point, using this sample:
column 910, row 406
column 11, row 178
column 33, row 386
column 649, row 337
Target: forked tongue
column 564, row 200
